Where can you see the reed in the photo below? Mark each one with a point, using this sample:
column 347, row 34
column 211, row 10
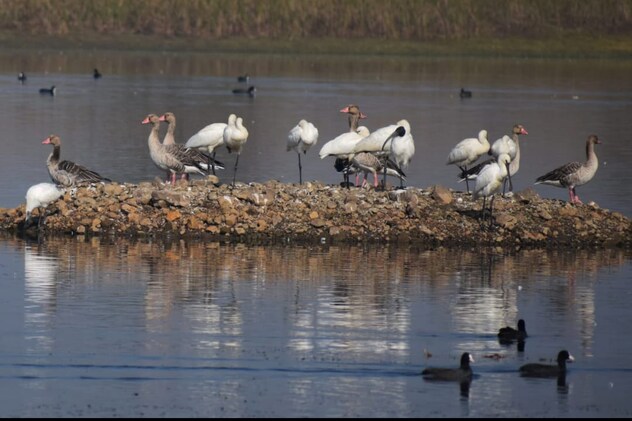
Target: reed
column 414, row 20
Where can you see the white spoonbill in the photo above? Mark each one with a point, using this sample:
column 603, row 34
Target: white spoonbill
column 489, row 181
column 574, row 174
column 235, row 136
column 40, row 196
column 208, row 139
column 302, row 137
column 468, row 151
column 511, row 146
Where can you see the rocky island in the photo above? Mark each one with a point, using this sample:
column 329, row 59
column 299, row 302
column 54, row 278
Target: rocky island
column 316, row 213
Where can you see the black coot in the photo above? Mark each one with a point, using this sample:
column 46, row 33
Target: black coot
column 547, row 370
column 463, row 373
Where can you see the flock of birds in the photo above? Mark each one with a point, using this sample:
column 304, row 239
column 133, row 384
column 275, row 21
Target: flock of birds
column 506, row 336
column 387, row 150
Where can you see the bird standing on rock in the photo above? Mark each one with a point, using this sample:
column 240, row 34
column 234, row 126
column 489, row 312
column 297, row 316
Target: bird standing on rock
column 235, row 136
column 467, row 152
column 300, row 139
column 574, row 174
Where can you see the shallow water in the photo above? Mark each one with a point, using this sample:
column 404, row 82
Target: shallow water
column 560, row 102
column 193, row 329
column 171, row 328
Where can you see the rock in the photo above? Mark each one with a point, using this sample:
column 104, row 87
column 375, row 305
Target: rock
column 441, row 195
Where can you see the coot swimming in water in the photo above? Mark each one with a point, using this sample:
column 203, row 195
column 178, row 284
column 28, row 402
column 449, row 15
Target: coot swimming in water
column 462, row 374
column 547, row 370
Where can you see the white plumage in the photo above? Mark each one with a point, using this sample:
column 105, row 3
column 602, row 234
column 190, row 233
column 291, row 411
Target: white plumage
column 208, row 138
column 235, row 136
column 403, row 148
column 490, row 180
column 41, row 195
column 380, row 141
column 302, row 137
column 469, row 150
column 343, row 145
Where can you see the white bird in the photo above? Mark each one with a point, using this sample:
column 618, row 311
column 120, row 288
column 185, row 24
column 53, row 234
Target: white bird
column 468, row 151
column 208, row 139
column 510, row 146
column 382, row 141
column 343, row 145
column 302, row 137
column 489, row 181
column 235, row 136
column 574, row 174
column 402, row 148
column 41, row 195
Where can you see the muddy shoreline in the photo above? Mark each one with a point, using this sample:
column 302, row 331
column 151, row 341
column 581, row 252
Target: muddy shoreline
column 275, row 212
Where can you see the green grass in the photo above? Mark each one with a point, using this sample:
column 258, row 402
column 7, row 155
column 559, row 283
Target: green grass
column 565, row 46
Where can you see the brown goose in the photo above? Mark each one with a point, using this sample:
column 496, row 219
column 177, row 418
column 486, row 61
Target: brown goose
column 67, row 173
column 369, row 163
column 173, row 161
column 574, row 174
column 204, row 161
column 354, row 116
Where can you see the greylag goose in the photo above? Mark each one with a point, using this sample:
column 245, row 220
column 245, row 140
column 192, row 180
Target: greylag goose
column 468, row 151
column 368, row 163
column 40, row 196
column 489, row 181
column 342, row 146
column 67, row 173
column 169, row 141
column 300, row 139
column 172, row 161
column 460, row 374
column 574, row 174
column 548, row 370
column 235, row 136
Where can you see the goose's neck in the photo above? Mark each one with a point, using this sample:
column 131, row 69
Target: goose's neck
column 591, row 156
column 55, row 154
column 169, row 136
column 353, row 122
column 154, row 140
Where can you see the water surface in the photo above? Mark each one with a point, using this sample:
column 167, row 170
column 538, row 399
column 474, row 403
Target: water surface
column 100, row 327
column 192, row 329
column 560, row 102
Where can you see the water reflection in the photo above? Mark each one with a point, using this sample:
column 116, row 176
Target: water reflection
column 334, row 289
column 317, row 322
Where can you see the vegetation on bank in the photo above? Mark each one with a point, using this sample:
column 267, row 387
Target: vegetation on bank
column 390, row 19
column 518, row 27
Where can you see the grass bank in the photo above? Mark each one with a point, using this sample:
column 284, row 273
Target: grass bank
column 561, row 46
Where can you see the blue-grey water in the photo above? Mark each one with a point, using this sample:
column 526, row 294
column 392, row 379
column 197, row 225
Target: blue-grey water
column 156, row 328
